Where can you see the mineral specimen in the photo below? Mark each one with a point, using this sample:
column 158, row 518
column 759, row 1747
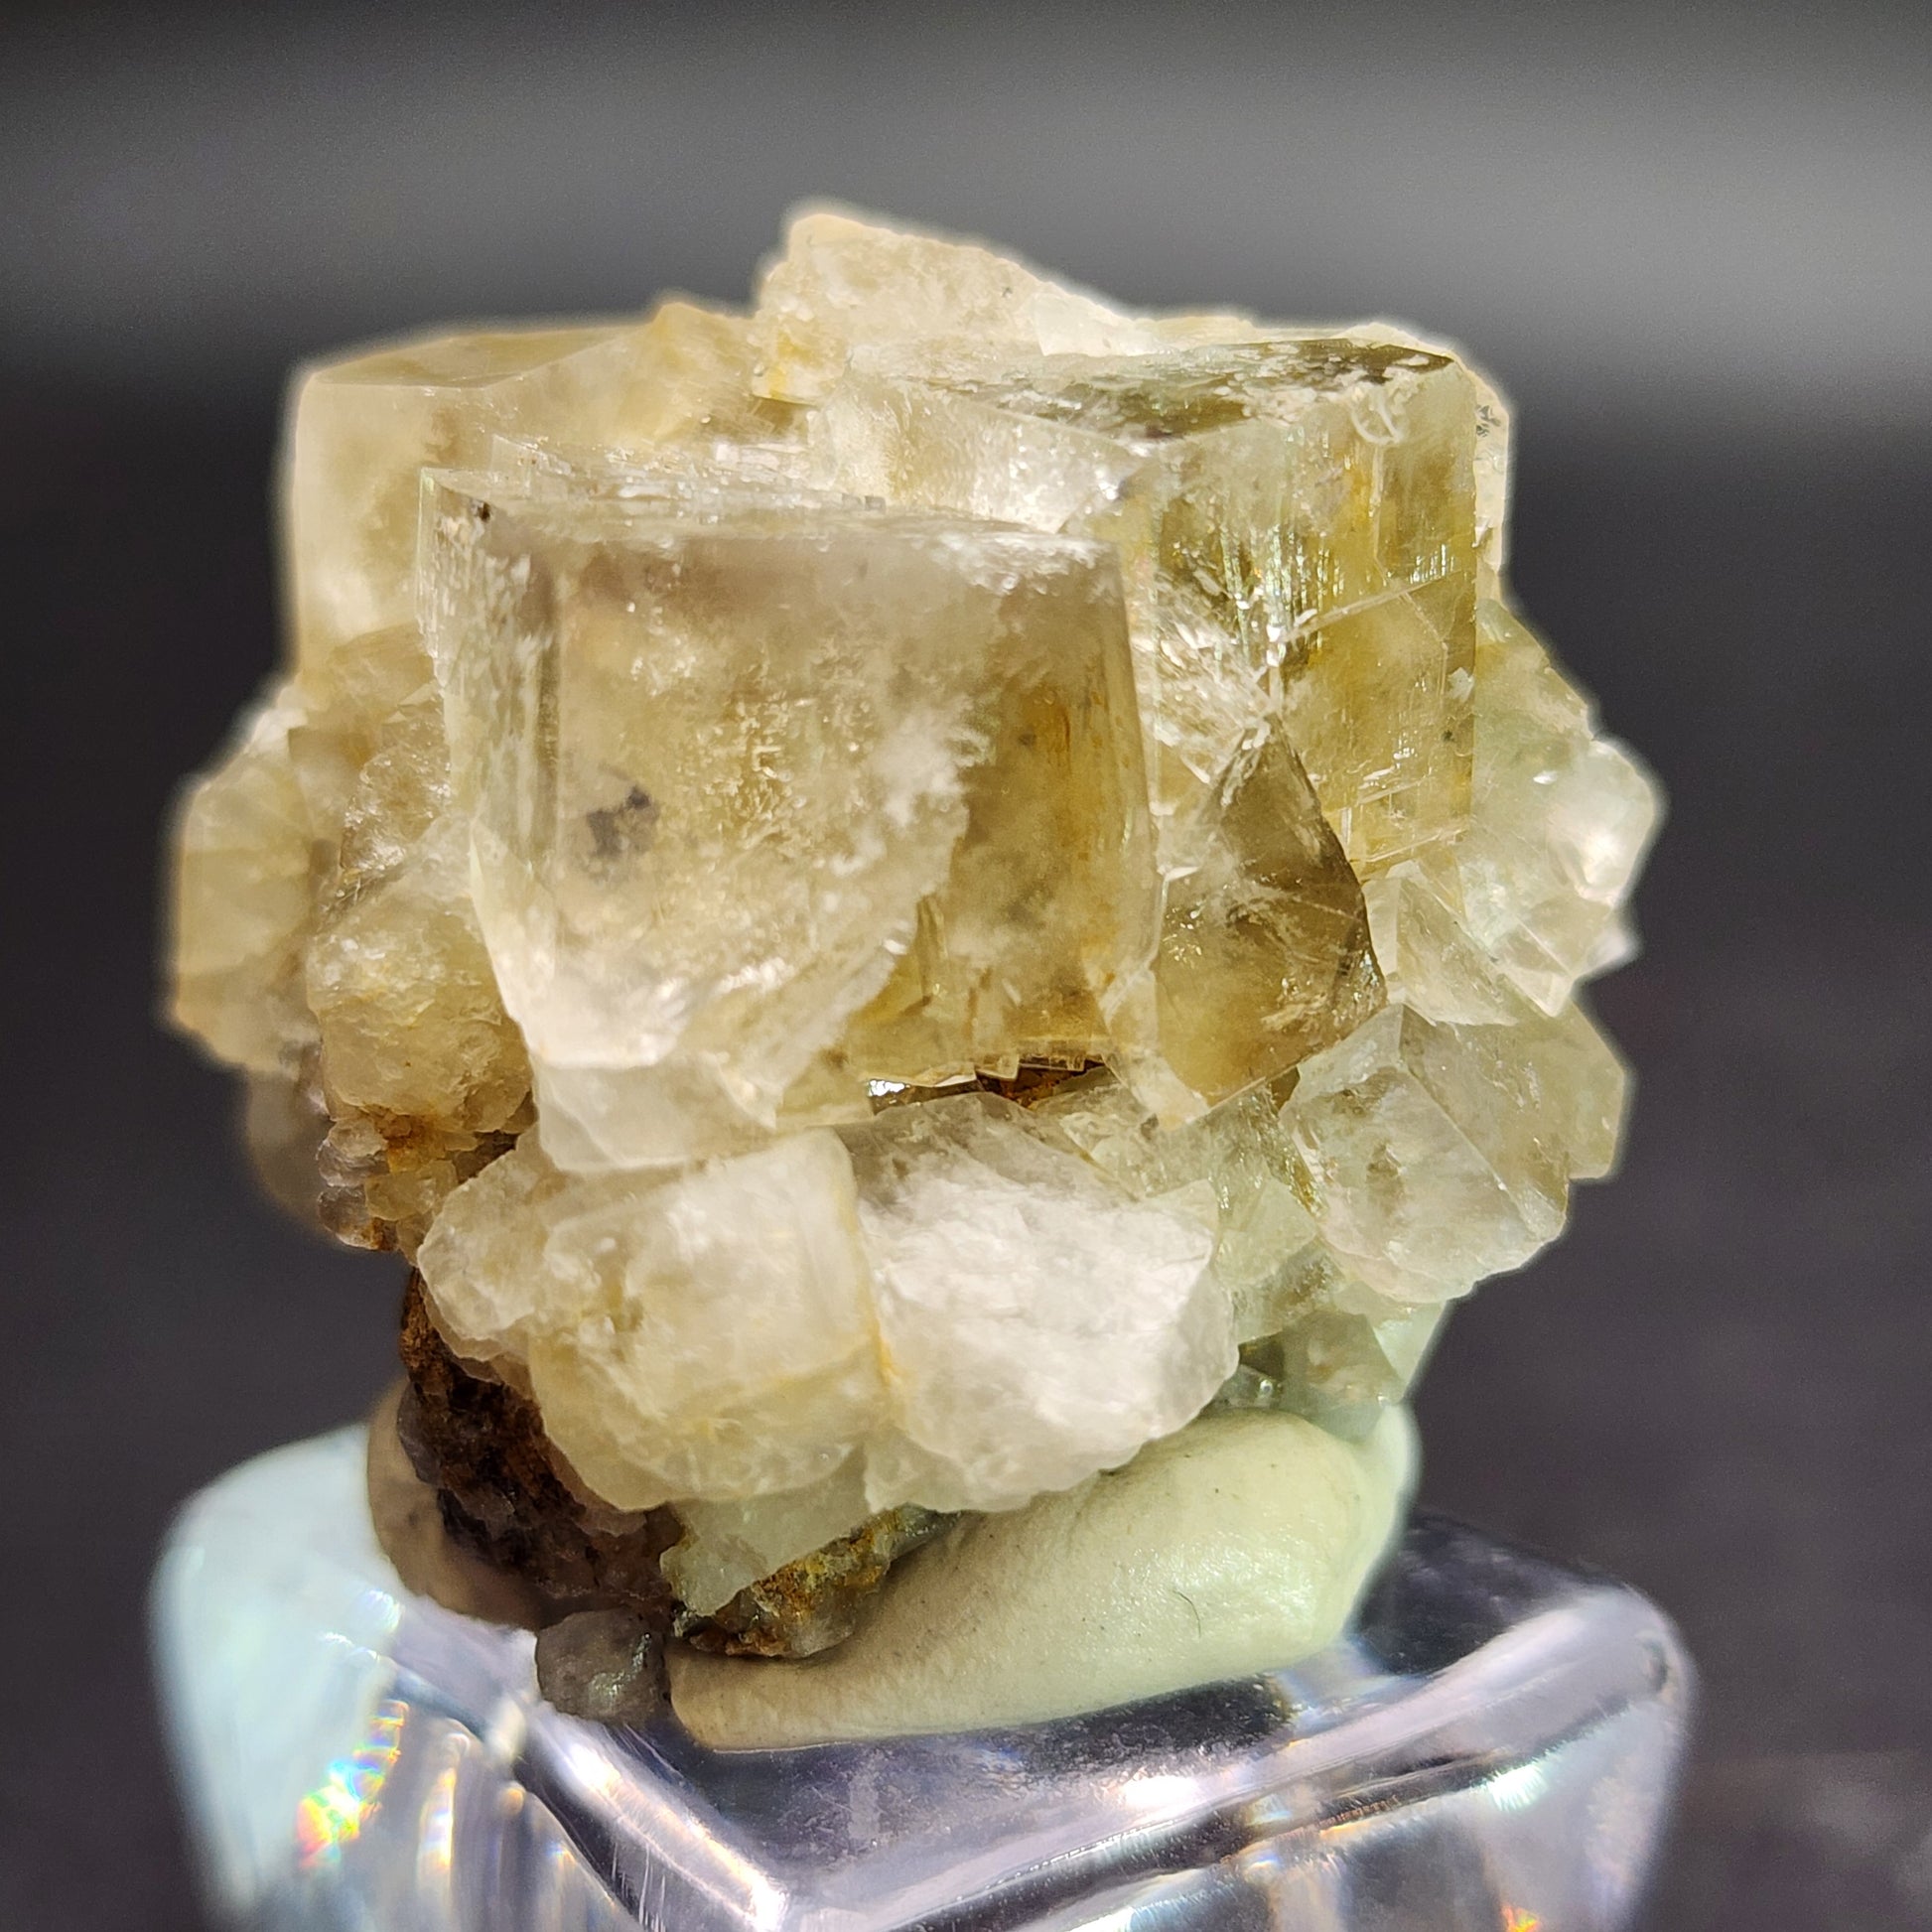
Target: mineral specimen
column 900, row 901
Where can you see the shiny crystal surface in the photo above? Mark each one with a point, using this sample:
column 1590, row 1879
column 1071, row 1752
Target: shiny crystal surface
column 1493, row 1747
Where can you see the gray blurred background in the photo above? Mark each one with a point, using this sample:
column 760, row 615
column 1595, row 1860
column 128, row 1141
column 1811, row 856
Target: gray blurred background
column 1695, row 244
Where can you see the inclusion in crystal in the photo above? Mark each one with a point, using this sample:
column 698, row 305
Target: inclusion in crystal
column 789, row 797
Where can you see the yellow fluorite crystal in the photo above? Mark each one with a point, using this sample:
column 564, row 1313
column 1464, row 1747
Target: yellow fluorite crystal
column 362, row 429
column 1301, row 528
column 1304, row 524
column 752, row 790
column 898, row 894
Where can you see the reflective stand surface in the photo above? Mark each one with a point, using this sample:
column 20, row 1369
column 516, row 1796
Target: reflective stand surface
column 1495, row 1746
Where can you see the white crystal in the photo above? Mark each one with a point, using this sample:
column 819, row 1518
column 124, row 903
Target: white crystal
column 1036, row 1324
column 978, row 1311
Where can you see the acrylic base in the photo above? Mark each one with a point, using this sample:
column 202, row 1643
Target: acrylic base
column 1495, row 1748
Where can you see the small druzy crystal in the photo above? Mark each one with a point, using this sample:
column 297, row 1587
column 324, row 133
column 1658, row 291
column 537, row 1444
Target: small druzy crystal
column 896, row 899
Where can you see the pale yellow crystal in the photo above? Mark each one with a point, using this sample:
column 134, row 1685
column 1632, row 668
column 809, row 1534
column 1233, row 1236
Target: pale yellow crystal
column 727, row 1545
column 325, row 939
column 843, row 283
column 362, row 745
column 729, row 781
column 362, row 429
column 1578, row 1082
column 259, row 840
column 405, row 1002
column 1559, row 826
column 1440, row 1139
column 1299, row 526
column 1303, row 528
column 243, row 900
column 360, row 434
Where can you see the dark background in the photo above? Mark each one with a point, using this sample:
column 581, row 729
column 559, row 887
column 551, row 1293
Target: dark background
column 1696, row 244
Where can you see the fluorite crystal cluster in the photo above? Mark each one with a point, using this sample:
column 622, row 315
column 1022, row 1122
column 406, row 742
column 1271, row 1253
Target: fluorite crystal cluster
column 897, row 898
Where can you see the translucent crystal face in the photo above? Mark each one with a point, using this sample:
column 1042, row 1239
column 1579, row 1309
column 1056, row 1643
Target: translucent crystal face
column 1300, row 523
column 366, row 426
column 793, row 791
column 893, row 894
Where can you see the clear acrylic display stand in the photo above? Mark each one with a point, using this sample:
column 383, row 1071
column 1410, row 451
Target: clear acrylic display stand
column 1495, row 1746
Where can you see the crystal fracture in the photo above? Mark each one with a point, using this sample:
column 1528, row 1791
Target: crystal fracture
column 899, row 897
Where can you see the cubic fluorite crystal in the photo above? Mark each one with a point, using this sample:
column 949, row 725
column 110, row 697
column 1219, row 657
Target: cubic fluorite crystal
column 896, row 896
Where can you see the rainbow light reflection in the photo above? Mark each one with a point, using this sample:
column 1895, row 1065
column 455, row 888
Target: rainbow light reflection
column 334, row 1812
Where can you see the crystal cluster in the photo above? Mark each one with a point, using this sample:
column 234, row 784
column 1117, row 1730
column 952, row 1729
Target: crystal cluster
column 893, row 895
